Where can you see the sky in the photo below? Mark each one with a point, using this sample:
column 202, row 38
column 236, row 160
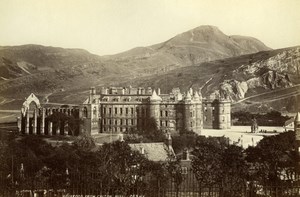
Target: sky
column 112, row 26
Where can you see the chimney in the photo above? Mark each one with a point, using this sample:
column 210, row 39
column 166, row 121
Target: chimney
column 158, row 91
column 186, row 155
column 92, row 91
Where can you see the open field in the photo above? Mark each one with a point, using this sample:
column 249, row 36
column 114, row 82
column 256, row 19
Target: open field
column 242, row 134
column 9, row 115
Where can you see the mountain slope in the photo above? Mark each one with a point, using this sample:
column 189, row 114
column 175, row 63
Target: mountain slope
column 202, row 44
column 55, row 73
column 239, row 78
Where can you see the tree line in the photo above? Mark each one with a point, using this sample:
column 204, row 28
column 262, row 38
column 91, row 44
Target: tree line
column 214, row 162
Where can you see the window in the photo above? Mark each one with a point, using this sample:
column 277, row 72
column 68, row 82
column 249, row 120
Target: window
column 161, row 123
column 126, row 110
column 191, row 124
column 104, row 110
column 166, row 112
column 109, row 110
column 132, row 121
column 110, row 122
column 184, row 170
column 116, row 110
column 132, row 110
column 166, row 123
column 116, row 122
column 126, row 121
column 104, row 121
column 191, row 114
column 161, row 113
column 121, row 110
column 121, row 122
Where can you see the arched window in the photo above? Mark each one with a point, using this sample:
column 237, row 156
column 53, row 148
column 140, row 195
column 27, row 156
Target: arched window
column 95, row 112
column 85, row 112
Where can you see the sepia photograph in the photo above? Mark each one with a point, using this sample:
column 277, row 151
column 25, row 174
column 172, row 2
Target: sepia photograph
column 149, row 98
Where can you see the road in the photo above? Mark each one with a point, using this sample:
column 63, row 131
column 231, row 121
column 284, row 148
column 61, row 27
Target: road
column 289, row 94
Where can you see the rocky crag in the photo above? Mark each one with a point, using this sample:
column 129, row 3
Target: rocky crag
column 279, row 71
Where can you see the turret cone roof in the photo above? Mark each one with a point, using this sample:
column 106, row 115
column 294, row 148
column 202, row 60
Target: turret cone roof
column 155, row 97
column 188, row 96
column 196, row 96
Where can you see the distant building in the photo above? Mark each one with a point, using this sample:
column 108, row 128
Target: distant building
column 118, row 109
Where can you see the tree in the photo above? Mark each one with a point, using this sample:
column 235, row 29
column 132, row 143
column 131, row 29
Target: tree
column 234, row 171
column 84, row 142
column 274, row 157
column 206, row 162
column 149, row 133
column 186, row 140
column 122, row 167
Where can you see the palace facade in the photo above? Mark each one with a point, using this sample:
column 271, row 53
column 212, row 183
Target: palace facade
column 121, row 109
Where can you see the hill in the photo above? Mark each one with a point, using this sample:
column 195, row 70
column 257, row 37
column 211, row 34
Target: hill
column 56, row 73
column 202, row 44
column 264, row 80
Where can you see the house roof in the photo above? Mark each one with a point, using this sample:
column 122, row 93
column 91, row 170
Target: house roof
column 289, row 121
column 296, row 118
column 153, row 151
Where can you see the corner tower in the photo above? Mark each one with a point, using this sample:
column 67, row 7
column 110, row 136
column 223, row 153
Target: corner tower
column 224, row 113
column 187, row 112
column 197, row 101
column 297, row 131
column 154, row 110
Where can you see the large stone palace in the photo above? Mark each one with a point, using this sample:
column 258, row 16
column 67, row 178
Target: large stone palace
column 121, row 109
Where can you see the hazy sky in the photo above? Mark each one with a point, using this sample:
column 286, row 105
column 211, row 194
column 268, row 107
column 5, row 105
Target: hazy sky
column 111, row 26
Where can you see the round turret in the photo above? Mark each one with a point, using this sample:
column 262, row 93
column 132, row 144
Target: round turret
column 155, row 101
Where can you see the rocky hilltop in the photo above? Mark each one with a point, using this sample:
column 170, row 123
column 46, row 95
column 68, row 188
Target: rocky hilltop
column 278, row 71
column 265, row 80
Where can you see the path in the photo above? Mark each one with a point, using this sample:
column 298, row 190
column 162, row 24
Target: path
column 272, row 92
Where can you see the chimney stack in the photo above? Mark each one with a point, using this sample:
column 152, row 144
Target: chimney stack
column 158, row 91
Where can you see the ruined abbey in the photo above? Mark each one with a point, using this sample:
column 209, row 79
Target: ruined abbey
column 119, row 109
